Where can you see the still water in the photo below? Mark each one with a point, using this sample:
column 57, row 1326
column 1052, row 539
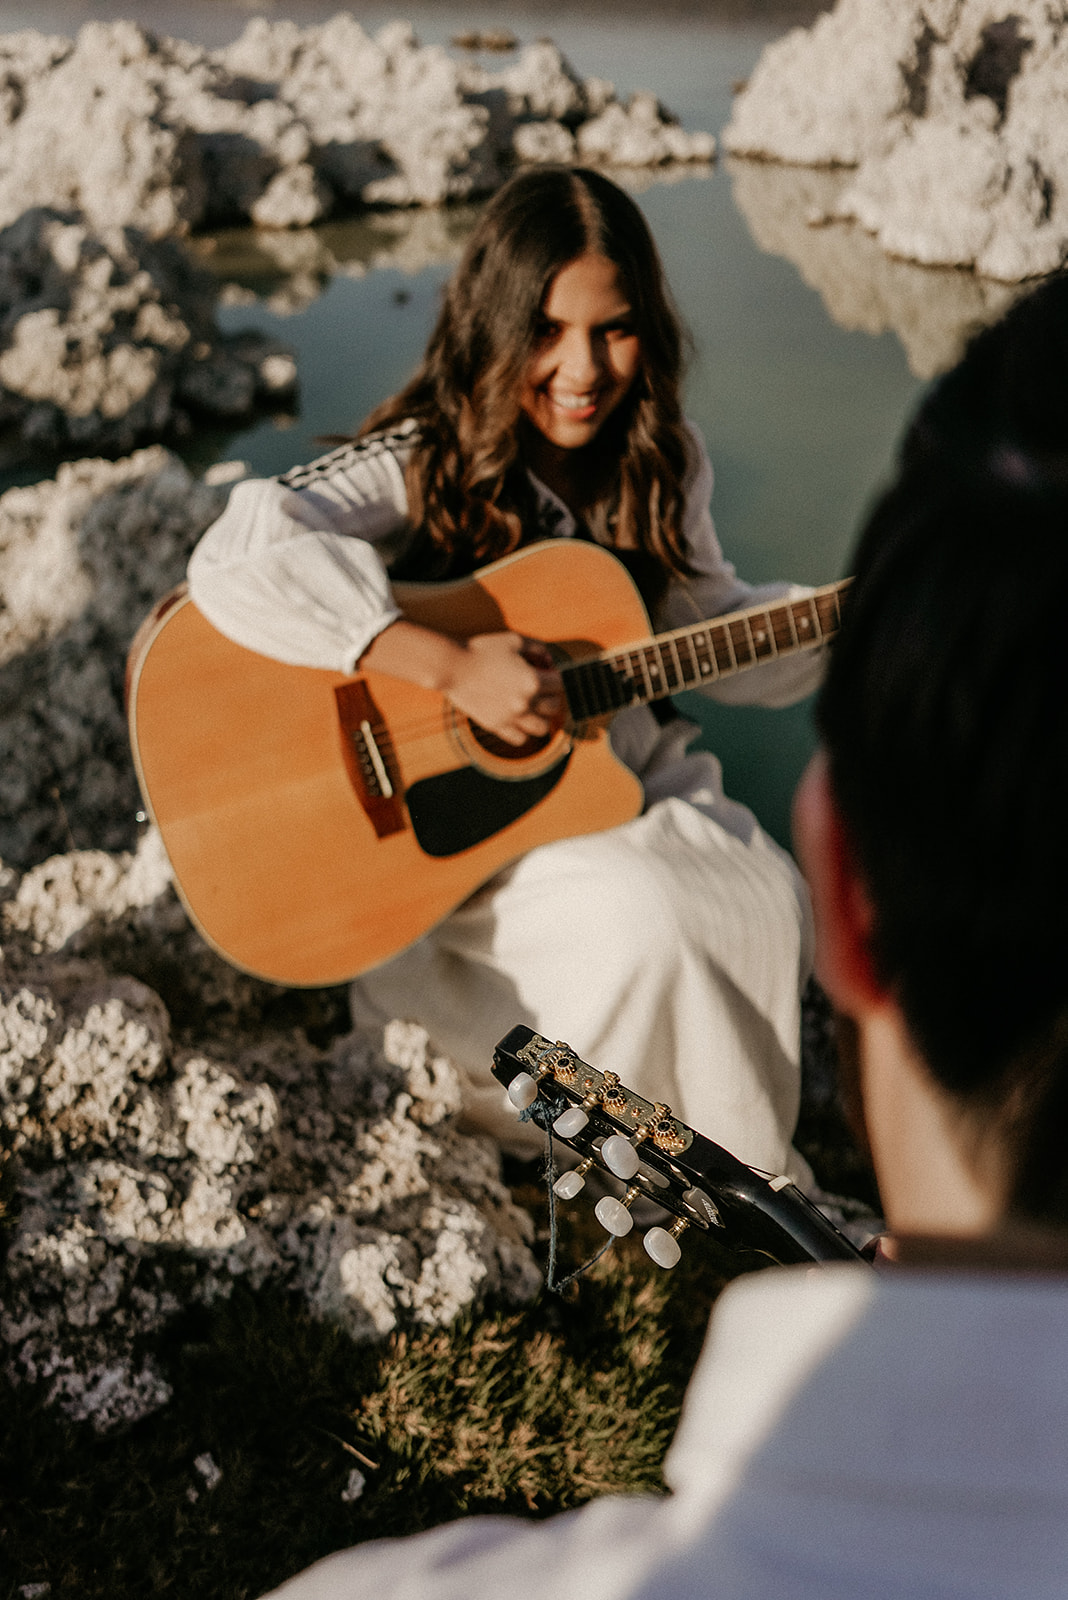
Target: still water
column 802, row 416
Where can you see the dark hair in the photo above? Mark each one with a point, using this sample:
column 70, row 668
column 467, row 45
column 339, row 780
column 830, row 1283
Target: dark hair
column 468, row 492
column 945, row 718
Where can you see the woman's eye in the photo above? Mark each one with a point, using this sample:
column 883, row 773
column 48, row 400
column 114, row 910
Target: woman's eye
column 545, row 330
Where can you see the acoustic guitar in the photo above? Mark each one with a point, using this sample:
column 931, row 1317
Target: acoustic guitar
column 319, row 823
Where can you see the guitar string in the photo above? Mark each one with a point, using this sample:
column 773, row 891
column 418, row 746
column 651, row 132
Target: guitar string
column 429, row 724
column 432, row 723
column 543, row 1113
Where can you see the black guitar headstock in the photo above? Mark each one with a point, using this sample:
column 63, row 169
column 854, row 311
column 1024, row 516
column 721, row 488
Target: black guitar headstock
column 656, row 1157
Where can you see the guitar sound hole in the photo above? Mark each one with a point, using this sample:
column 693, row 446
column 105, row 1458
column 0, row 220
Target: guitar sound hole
column 502, row 749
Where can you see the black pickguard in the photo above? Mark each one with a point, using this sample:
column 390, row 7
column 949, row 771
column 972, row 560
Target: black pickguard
column 455, row 810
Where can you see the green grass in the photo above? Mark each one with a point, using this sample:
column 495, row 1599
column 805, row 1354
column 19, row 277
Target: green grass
column 527, row 1412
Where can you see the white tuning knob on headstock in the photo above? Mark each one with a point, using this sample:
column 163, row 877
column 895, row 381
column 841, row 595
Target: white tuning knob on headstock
column 613, row 1216
column 568, row 1184
column 620, row 1156
column 662, row 1247
column 522, row 1091
column 570, row 1122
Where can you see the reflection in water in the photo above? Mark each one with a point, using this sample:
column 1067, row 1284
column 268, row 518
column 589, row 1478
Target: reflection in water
column 288, row 269
column 932, row 310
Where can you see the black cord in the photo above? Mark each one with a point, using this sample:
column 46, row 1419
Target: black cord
column 544, row 1112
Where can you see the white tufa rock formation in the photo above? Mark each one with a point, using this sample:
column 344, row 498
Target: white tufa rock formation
column 83, row 557
column 164, row 1152
column 953, row 113
column 287, row 124
column 108, row 338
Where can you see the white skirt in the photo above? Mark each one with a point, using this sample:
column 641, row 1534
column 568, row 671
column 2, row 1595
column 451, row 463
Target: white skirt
column 671, row 950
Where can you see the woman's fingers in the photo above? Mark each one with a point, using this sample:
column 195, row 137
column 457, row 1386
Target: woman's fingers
column 508, row 685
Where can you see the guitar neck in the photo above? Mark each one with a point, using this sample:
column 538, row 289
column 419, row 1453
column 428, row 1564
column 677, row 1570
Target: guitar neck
column 701, row 653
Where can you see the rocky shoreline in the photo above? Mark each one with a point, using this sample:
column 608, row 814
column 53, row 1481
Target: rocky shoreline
column 179, row 1135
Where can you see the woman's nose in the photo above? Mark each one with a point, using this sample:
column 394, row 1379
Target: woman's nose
column 581, row 358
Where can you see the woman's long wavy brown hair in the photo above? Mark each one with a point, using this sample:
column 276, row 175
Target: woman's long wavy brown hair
column 469, row 497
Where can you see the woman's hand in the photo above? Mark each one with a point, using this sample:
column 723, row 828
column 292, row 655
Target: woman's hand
column 508, row 685
column 505, row 683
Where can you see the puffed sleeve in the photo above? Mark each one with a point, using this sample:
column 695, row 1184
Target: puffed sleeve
column 295, row 568
column 715, row 588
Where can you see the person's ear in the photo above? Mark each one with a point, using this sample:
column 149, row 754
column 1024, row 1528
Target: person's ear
column 840, row 901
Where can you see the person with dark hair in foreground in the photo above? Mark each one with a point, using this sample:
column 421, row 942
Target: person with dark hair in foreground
column 851, row 1433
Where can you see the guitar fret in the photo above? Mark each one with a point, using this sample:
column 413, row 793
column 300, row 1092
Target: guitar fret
column 740, row 644
column 584, row 699
column 690, row 670
column 721, row 640
column 806, row 622
column 705, row 656
column 575, row 692
column 672, row 668
column 640, row 673
column 597, row 687
column 625, row 688
column 828, row 613
column 654, row 674
column 783, row 631
column 762, row 632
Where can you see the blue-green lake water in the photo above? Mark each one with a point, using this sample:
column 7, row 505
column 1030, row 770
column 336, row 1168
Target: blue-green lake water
column 801, row 417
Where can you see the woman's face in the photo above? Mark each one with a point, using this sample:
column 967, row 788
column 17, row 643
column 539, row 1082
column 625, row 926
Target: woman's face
column 586, row 355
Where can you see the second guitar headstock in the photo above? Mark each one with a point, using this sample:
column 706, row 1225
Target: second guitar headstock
column 657, row 1157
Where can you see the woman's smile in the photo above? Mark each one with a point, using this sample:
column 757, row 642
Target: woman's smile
column 587, row 355
column 575, row 402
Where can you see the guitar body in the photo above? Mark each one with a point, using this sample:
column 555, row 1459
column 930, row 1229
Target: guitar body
column 318, row 824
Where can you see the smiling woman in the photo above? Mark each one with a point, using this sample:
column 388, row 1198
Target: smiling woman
column 546, row 409
column 587, row 356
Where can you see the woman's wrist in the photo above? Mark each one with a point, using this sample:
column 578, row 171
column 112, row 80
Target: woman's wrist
column 419, row 655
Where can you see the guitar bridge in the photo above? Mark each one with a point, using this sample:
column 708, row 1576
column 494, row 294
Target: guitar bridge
column 370, row 760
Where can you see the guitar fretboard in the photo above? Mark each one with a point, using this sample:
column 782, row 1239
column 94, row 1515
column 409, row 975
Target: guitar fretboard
column 701, row 653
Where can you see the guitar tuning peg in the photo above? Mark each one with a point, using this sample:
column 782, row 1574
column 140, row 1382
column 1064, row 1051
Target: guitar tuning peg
column 568, row 1184
column 522, row 1091
column 570, row 1122
column 662, row 1247
column 620, row 1156
column 613, row 1216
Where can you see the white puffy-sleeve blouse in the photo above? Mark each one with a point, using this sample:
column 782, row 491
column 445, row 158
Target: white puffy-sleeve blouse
column 296, row 567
